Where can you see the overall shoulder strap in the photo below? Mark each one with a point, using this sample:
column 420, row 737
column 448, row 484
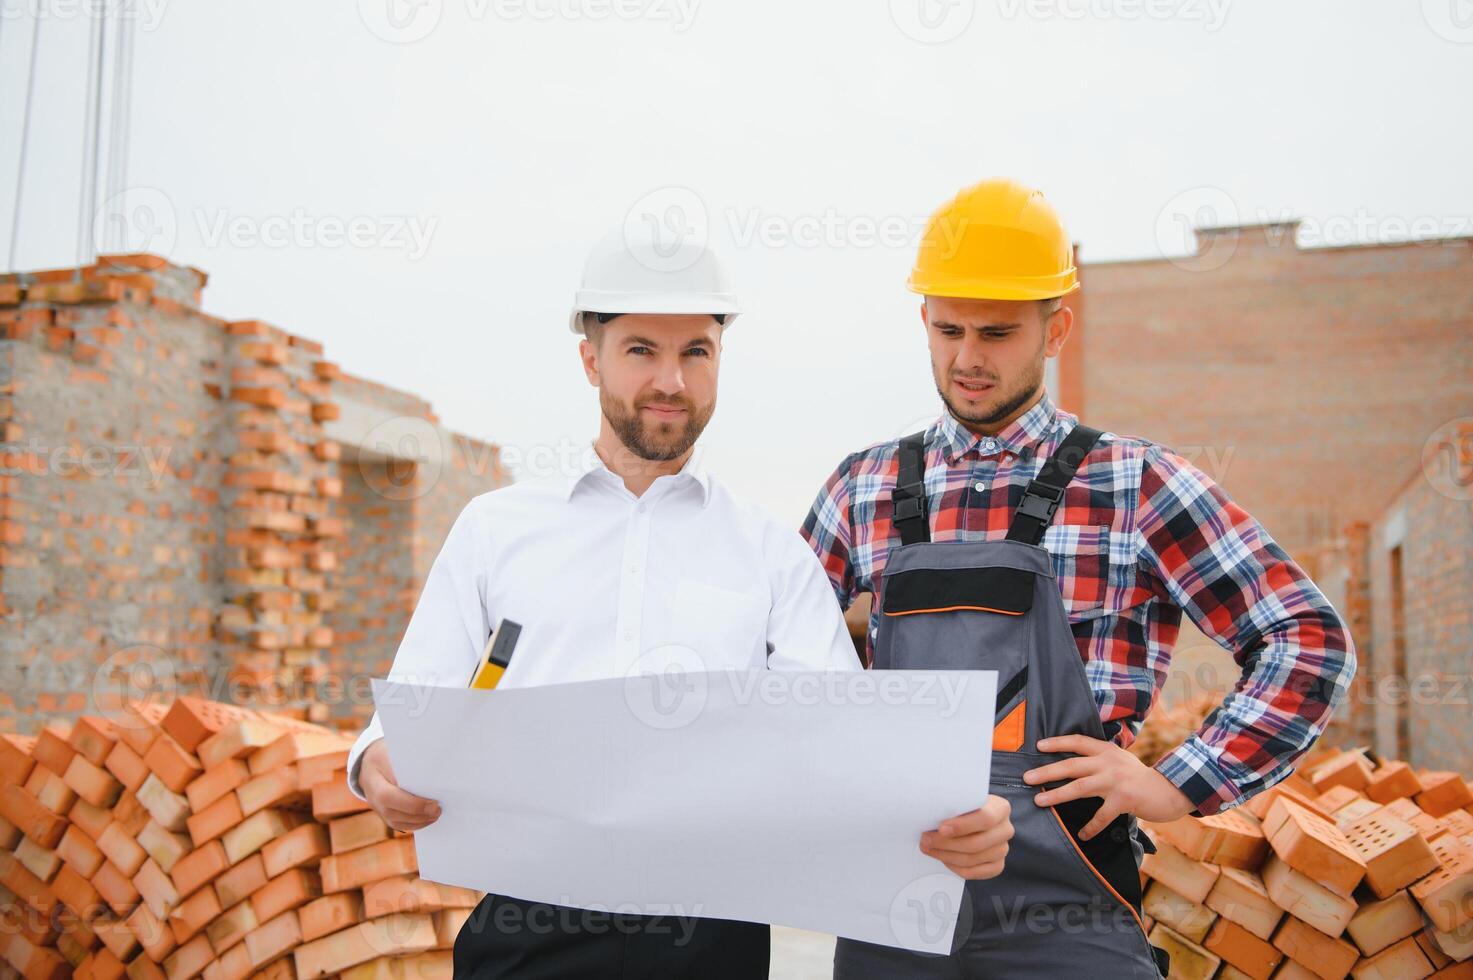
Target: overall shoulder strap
column 909, row 497
column 1043, row 496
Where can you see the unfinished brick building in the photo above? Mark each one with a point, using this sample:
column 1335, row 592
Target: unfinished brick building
column 1330, row 391
column 194, row 506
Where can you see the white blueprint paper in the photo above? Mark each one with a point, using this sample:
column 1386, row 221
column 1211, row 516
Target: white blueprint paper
column 789, row 797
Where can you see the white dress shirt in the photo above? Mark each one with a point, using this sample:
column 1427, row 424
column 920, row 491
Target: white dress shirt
column 606, row 584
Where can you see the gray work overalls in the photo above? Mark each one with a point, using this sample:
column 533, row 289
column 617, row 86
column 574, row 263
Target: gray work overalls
column 1061, row 907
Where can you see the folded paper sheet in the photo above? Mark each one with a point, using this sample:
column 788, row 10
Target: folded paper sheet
column 794, row 798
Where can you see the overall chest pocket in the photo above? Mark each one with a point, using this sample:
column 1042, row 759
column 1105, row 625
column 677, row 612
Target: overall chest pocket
column 1081, row 555
column 973, row 618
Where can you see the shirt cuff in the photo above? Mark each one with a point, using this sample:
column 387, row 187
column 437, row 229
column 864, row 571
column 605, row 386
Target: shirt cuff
column 1193, row 769
column 372, row 733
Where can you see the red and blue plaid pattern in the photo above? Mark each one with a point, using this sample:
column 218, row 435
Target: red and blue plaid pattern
column 1141, row 536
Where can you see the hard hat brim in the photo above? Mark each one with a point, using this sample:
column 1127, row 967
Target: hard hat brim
column 1048, row 287
column 592, row 301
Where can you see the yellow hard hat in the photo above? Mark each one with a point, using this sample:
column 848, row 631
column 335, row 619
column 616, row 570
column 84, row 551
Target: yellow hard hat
column 995, row 240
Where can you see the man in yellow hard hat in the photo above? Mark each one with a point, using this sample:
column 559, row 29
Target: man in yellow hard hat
column 1008, row 536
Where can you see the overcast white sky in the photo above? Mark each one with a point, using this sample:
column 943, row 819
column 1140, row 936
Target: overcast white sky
column 482, row 145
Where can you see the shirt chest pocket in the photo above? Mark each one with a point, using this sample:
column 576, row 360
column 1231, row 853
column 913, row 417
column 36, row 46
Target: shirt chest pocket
column 1083, row 562
column 726, row 628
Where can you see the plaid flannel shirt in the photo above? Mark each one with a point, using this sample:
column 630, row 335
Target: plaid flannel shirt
column 1141, row 536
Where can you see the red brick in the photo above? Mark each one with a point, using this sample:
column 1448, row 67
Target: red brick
column 1446, row 895
column 156, row 888
column 34, row 820
column 199, row 867
column 230, row 927
column 1184, row 876
column 1306, row 898
column 117, row 937
column 1379, row 924
column 275, row 787
column 1395, row 855
column 93, row 737
column 52, row 748
column 79, row 851
column 273, row 939
column 92, row 781
column 126, row 766
column 357, row 868
column 191, row 720
column 329, row 914
column 165, row 846
column 36, row 893
column 174, row 765
column 359, row 830
column 189, row 959
column 1186, row 918
column 287, row 890
column 169, row 808
column 16, row 760
column 39, row 861
column 155, row 936
column 1313, row 846
column 254, row 832
column 1236, row 945
column 115, row 888
column 193, row 914
column 214, row 820
column 33, row 962
column 215, row 782
column 1400, row 961
column 1393, row 780
column 332, row 798
column 236, row 884
column 1325, row 956
column 77, row 893
column 1443, row 792
column 403, row 934
column 1240, row 897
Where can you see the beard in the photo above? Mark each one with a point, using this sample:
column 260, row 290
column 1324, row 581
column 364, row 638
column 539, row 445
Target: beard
column 1006, row 404
column 654, row 440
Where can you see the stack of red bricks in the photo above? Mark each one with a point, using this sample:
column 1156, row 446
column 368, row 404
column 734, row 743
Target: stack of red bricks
column 201, row 839
column 1353, row 868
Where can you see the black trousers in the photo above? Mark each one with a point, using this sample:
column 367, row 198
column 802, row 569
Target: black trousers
column 509, row 939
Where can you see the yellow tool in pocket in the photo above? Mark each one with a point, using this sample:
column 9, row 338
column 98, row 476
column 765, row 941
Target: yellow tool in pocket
column 497, row 656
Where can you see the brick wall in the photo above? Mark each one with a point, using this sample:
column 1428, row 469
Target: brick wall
column 1306, row 381
column 173, row 500
column 1421, row 586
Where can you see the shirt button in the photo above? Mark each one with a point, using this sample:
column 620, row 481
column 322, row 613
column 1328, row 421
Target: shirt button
column 979, row 486
column 628, row 634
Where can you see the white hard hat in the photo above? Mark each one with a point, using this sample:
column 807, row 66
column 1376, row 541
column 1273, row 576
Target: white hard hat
column 632, row 271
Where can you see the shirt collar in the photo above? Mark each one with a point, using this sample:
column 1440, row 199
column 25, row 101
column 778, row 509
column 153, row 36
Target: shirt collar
column 1020, row 437
column 592, row 467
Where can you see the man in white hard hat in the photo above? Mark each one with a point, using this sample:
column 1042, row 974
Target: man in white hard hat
column 614, row 569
